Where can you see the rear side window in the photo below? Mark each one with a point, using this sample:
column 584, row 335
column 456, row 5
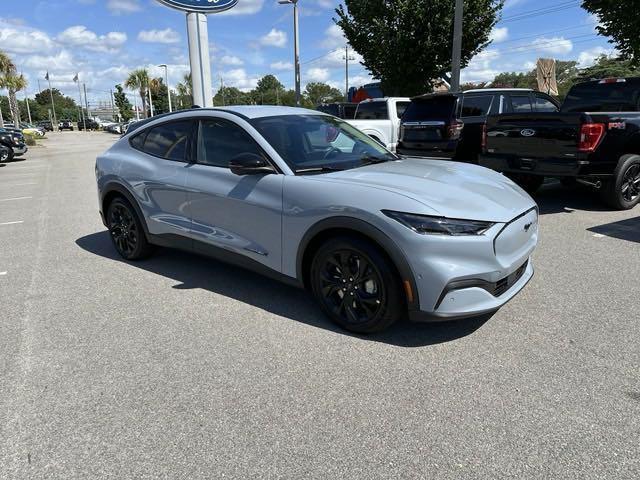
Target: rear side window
column 372, row 111
column 437, row 108
column 544, row 104
column 476, row 105
column 221, row 140
column 521, row 103
column 169, row 140
column 137, row 142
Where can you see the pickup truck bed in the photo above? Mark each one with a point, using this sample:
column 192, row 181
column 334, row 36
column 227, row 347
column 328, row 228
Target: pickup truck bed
column 597, row 147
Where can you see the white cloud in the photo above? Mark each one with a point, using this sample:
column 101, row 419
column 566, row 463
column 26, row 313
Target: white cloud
column 333, row 37
column 15, row 40
column 231, row 60
column 123, row 6
column 499, row 34
column 317, row 75
column 81, row 36
column 166, row 36
column 275, row 38
column 588, row 57
column 482, row 67
column 245, row 7
column 550, row 45
column 281, row 66
column 240, row 79
column 61, row 62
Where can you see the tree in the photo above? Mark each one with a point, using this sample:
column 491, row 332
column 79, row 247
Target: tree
column 231, row 96
column 184, row 90
column 124, row 105
column 618, row 21
column 268, row 91
column 605, row 66
column 407, row 43
column 317, row 93
column 159, row 96
column 66, row 107
column 7, row 68
column 139, row 80
column 14, row 83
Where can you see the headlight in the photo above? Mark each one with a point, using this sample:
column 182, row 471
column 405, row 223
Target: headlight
column 16, row 140
column 439, row 225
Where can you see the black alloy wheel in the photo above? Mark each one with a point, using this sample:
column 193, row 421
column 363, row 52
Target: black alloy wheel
column 126, row 231
column 630, row 187
column 356, row 285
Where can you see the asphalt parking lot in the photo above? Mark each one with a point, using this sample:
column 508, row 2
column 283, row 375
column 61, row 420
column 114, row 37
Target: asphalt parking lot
column 182, row 367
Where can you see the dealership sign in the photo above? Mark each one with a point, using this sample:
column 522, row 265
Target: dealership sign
column 200, row 6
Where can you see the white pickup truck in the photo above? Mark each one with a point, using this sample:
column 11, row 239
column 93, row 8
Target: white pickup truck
column 380, row 119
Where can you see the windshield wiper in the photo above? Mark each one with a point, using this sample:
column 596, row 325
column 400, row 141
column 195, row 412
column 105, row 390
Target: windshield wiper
column 372, row 160
column 319, row 169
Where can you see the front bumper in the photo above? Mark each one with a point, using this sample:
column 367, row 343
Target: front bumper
column 20, row 150
column 459, row 277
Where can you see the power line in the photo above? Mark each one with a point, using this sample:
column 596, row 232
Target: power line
column 541, row 11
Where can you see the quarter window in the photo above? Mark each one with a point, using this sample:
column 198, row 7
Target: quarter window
column 545, row 105
column 476, row 106
column 169, row 140
column 221, row 140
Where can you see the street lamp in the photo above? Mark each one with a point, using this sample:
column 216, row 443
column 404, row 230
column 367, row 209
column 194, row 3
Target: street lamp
column 166, row 76
column 296, row 53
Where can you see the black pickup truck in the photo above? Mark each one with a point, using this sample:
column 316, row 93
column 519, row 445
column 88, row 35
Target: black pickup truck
column 594, row 139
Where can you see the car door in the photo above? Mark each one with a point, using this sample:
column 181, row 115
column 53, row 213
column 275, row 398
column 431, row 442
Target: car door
column 157, row 175
column 474, row 109
column 240, row 214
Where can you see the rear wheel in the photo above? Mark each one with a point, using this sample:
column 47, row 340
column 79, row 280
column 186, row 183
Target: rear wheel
column 529, row 183
column 356, row 285
column 126, row 231
column 623, row 191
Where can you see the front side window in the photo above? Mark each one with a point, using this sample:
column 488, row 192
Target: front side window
column 476, row 105
column 521, row 103
column 169, row 140
column 372, row 111
column 308, row 142
column 221, row 140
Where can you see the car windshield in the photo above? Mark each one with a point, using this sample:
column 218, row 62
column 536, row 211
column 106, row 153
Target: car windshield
column 316, row 143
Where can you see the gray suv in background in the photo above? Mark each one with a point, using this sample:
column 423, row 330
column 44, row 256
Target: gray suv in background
column 308, row 199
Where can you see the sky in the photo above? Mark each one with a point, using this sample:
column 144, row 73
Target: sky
column 103, row 40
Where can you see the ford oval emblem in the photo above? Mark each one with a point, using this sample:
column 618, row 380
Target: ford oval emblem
column 200, row 6
column 527, row 132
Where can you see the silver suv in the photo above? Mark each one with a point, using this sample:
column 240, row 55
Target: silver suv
column 308, row 199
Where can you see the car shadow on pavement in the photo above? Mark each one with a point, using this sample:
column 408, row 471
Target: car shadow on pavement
column 628, row 229
column 194, row 271
column 553, row 197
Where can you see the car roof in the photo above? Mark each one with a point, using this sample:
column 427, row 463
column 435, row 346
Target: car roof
column 475, row 90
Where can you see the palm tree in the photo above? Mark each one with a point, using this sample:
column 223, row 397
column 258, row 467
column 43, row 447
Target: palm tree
column 7, row 68
column 14, row 83
column 185, row 90
column 139, row 80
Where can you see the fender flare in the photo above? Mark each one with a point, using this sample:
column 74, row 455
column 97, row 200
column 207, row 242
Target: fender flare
column 378, row 236
column 114, row 186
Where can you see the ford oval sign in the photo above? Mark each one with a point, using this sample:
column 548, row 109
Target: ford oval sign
column 527, row 132
column 200, row 6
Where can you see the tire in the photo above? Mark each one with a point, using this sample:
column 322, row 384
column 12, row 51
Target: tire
column 623, row 191
column 6, row 155
column 529, row 183
column 126, row 231
column 349, row 267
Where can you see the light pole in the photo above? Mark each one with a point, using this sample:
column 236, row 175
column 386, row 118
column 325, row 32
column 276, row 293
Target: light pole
column 346, row 72
column 166, row 76
column 296, row 46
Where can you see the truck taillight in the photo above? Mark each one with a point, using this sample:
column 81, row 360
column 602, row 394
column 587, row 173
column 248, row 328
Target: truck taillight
column 454, row 130
column 483, row 141
column 590, row 136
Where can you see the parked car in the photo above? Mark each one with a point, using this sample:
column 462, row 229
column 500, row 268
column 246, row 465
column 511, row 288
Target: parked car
column 592, row 140
column 450, row 125
column 28, row 128
column 380, row 119
column 13, row 141
column 65, row 125
column 346, row 110
column 88, row 124
column 46, row 125
column 306, row 198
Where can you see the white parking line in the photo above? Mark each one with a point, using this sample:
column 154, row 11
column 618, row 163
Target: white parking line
column 11, row 223
column 14, row 199
column 2, row 273
column 18, row 184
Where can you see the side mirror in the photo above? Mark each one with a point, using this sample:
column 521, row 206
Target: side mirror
column 250, row 164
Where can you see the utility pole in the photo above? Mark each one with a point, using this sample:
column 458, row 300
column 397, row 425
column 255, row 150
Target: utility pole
column 222, row 91
column 456, row 55
column 113, row 107
column 166, row 78
column 26, row 100
column 296, row 46
column 86, row 102
column 346, row 72
column 77, row 80
column 55, row 119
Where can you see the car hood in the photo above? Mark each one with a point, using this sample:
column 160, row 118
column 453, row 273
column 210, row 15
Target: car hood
column 450, row 189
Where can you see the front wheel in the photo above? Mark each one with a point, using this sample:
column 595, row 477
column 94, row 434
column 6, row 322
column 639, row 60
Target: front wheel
column 6, row 155
column 356, row 285
column 623, row 191
column 126, row 231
